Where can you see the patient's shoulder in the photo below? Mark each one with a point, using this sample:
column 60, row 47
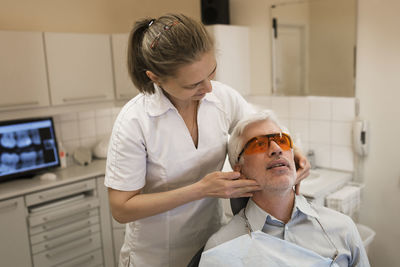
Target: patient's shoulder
column 235, row 228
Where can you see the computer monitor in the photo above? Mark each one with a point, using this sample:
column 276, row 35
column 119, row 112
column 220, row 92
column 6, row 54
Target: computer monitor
column 27, row 147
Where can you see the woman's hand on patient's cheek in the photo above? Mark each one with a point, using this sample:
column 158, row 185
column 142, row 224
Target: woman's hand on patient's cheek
column 227, row 185
column 302, row 169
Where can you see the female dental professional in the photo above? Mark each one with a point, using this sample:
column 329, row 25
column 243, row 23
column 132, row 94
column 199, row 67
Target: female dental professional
column 168, row 145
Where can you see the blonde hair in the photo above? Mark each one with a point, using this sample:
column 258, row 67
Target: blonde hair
column 163, row 45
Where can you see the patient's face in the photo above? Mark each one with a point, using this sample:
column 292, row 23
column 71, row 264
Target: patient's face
column 274, row 169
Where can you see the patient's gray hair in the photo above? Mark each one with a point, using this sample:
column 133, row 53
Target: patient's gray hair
column 236, row 143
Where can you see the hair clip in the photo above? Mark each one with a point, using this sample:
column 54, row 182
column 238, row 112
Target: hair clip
column 151, row 22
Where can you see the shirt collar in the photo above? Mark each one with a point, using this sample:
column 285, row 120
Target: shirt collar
column 157, row 103
column 257, row 216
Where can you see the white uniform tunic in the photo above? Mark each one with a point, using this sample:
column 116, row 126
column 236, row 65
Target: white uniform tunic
column 151, row 148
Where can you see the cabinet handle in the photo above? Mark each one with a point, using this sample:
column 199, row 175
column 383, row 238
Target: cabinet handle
column 67, row 230
column 80, row 262
column 19, row 104
column 63, row 215
column 66, row 241
column 8, row 206
column 75, row 99
column 72, row 245
column 63, row 193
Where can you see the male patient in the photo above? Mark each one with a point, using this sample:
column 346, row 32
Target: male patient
column 278, row 227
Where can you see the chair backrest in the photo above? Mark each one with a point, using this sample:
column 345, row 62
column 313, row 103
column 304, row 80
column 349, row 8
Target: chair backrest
column 194, row 262
column 238, row 203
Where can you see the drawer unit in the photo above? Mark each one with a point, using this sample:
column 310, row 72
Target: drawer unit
column 93, row 259
column 68, row 251
column 64, row 225
column 60, row 192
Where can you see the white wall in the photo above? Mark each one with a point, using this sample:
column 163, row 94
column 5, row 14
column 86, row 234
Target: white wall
column 378, row 88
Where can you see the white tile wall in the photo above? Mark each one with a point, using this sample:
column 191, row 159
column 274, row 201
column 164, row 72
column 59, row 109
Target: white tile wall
column 323, row 124
column 84, row 129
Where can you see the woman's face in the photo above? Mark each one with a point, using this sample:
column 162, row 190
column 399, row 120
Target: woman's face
column 192, row 81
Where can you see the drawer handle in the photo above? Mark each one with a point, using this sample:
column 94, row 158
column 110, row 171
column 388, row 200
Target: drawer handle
column 8, row 206
column 19, row 104
column 68, row 230
column 81, row 262
column 63, row 215
column 75, row 99
column 63, row 193
column 70, row 246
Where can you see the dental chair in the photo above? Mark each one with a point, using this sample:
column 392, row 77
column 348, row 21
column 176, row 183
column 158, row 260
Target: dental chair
column 236, row 205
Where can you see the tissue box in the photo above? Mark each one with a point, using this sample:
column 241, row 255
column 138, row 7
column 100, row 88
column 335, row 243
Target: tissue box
column 346, row 200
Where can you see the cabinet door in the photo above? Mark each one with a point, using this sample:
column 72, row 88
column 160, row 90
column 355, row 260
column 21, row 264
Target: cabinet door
column 233, row 56
column 14, row 244
column 80, row 67
column 124, row 87
column 22, row 70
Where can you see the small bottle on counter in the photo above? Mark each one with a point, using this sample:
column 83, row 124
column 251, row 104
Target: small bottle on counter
column 62, row 155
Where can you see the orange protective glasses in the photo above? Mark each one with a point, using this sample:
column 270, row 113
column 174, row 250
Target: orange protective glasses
column 260, row 144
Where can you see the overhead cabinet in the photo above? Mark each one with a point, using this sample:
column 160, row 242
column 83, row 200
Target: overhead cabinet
column 124, row 88
column 79, row 67
column 22, row 71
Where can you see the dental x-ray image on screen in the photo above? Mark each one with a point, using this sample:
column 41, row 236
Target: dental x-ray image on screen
column 27, row 147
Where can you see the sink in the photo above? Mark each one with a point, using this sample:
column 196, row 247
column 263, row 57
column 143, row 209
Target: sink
column 313, row 175
column 322, row 182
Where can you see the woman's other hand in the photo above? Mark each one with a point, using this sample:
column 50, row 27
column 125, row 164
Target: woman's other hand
column 302, row 168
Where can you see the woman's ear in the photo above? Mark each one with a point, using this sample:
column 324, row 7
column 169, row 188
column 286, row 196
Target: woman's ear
column 153, row 77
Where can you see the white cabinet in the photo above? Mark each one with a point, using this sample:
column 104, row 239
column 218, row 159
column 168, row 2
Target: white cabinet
column 64, row 225
column 79, row 67
column 22, row 71
column 124, row 88
column 233, row 56
column 117, row 233
column 14, row 244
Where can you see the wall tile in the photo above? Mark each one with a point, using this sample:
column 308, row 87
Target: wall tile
column 70, row 130
column 320, row 108
column 86, row 114
column 343, row 109
column 280, row 105
column 73, row 116
column 322, row 155
column 103, row 112
column 342, row 158
column 103, row 125
column 299, row 130
column 299, row 108
column 341, row 133
column 320, row 132
column 87, row 128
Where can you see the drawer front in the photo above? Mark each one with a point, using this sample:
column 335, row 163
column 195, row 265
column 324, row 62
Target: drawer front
column 59, row 192
column 65, row 229
column 67, row 252
column 65, row 239
column 92, row 259
column 59, row 214
column 85, row 215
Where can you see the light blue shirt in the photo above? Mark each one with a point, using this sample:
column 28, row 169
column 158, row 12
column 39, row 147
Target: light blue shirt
column 302, row 229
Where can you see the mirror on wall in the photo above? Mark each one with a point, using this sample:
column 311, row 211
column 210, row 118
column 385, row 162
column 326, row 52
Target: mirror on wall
column 314, row 48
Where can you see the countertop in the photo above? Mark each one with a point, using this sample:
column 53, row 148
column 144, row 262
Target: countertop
column 67, row 175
